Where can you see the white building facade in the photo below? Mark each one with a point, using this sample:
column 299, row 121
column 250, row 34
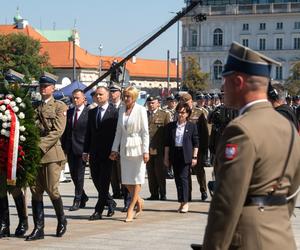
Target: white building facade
column 270, row 28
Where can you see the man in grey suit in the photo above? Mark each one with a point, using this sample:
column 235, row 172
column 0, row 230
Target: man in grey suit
column 72, row 142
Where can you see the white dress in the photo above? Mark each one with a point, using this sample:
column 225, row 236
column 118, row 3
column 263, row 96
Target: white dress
column 133, row 138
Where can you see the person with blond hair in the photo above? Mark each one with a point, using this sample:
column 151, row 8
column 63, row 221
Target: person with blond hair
column 132, row 136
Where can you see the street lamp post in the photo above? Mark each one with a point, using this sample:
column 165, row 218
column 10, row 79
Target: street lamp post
column 74, row 54
column 100, row 61
column 177, row 76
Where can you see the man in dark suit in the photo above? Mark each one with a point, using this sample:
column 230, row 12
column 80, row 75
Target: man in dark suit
column 100, row 134
column 72, row 142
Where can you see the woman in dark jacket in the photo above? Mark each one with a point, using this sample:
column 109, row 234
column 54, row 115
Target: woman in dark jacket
column 181, row 149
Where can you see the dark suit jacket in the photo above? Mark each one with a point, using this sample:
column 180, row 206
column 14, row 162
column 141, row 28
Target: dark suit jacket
column 73, row 138
column 190, row 140
column 98, row 141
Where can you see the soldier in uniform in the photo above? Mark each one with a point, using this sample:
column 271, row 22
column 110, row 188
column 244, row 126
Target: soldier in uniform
column 257, row 166
column 17, row 193
column 198, row 117
column 157, row 120
column 51, row 121
column 200, row 100
column 171, row 106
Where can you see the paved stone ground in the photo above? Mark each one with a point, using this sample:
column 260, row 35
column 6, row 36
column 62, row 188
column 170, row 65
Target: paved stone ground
column 159, row 227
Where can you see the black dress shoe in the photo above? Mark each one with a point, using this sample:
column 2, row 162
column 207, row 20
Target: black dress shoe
column 37, row 234
column 111, row 209
column 153, row 198
column 96, row 216
column 196, row 246
column 75, row 206
column 163, row 198
column 125, row 209
column 203, row 196
column 83, row 202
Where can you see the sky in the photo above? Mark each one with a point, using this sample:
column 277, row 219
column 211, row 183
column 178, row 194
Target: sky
column 116, row 25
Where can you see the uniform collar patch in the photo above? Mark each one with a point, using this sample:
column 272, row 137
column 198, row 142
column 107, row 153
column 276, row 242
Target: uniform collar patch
column 231, row 151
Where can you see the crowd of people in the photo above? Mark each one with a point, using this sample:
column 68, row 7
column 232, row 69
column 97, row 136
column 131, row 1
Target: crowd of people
column 121, row 140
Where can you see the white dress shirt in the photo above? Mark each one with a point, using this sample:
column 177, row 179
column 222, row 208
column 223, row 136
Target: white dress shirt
column 179, row 134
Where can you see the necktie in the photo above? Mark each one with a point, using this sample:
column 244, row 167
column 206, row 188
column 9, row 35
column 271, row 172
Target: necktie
column 76, row 117
column 99, row 117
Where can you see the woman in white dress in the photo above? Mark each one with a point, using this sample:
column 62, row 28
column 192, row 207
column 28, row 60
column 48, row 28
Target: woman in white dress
column 132, row 137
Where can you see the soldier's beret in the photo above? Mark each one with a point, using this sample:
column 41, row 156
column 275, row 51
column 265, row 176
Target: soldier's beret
column 199, row 96
column 245, row 60
column 171, row 98
column 115, row 87
column 48, row 79
column 13, row 76
column 185, row 97
column 152, row 98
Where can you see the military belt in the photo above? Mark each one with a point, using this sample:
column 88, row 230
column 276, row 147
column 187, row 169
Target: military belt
column 266, row 200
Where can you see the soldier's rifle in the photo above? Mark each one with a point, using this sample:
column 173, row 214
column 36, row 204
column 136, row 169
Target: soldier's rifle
column 179, row 15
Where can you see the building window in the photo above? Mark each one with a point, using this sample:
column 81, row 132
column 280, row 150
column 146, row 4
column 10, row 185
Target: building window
column 278, row 75
column 245, row 26
column 245, row 42
column 297, row 43
column 279, row 26
column 297, row 25
column 218, row 37
column 194, row 38
column 218, row 70
column 262, row 44
column 279, row 43
column 262, row 26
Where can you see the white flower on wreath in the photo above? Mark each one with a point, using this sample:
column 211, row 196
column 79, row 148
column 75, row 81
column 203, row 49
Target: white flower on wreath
column 7, row 112
column 22, row 105
column 4, row 118
column 10, row 96
column 3, row 131
column 12, row 104
column 8, row 117
column 5, row 125
column 16, row 109
column 22, row 128
column 6, row 101
column 2, row 108
column 1, row 115
column 21, row 115
column 22, row 138
column 18, row 100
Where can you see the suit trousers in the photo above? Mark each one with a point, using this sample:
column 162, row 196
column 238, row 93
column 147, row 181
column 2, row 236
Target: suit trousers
column 116, row 178
column 156, row 176
column 77, row 169
column 101, row 175
column 47, row 180
column 181, row 175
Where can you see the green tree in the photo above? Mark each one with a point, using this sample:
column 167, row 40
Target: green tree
column 22, row 54
column 195, row 79
column 293, row 82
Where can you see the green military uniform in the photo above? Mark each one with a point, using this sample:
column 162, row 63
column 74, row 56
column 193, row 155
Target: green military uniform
column 257, row 164
column 155, row 167
column 51, row 121
column 198, row 117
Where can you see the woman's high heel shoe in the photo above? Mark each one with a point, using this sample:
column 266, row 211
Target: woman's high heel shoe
column 140, row 208
column 130, row 216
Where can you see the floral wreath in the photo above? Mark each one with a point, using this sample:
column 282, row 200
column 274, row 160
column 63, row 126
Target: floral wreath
column 19, row 152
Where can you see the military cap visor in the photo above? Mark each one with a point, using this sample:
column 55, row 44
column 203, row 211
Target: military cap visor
column 114, row 88
column 48, row 79
column 245, row 60
column 13, row 76
column 152, row 98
